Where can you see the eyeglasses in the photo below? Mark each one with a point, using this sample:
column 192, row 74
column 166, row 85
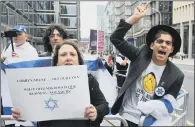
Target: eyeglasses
column 160, row 41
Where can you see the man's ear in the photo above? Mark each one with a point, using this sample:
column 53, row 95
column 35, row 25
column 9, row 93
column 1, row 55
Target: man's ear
column 151, row 46
column 26, row 35
column 172, row 49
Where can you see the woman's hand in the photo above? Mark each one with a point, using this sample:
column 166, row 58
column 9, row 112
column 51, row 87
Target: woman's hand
column 91, row 112
column 15, row 114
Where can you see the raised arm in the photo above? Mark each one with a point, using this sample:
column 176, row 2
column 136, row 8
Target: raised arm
column 117, row 37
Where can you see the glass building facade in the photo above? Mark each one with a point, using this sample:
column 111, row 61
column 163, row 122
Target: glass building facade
column 38, row 15
column 165, row 9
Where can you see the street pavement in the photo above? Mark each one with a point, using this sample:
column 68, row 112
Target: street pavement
column 183, row 62
column 187, row 67
column 188, row 85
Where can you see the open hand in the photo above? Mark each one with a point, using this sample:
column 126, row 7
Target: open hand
column 139, row 12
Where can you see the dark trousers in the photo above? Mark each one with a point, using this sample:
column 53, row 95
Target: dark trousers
column 130, row 124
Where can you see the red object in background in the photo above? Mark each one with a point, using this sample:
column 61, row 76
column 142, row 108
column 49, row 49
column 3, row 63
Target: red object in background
column 13, row 54
column 100, row 40
column 109, row 59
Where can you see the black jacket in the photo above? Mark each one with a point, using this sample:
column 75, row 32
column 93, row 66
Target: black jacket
column 140, row 57
column 110, row 69
column 97, row 99
column 1, row 107
column 121, row 69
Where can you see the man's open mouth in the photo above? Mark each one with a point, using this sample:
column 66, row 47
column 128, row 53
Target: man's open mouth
column 161, row 52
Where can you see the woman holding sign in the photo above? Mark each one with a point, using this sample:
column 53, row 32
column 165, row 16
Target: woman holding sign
column 67, row 53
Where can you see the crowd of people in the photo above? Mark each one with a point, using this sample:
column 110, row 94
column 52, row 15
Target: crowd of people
column 139, row 82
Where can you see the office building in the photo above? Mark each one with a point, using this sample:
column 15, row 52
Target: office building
column 183, row 21
column 38, row 15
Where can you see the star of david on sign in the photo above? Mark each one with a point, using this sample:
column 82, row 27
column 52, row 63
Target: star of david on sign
column 51, row 104
column 160, row 91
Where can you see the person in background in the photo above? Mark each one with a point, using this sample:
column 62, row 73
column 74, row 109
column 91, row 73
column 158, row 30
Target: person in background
column 121, row 66
column 22, row 48
column 53, row 35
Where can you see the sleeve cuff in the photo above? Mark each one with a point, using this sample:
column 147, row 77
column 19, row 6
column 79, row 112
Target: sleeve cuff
column 125, row 24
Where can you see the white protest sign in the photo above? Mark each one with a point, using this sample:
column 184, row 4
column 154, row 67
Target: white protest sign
column 49, row 93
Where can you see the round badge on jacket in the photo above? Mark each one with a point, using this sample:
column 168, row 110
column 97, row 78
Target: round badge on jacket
column 160, row 91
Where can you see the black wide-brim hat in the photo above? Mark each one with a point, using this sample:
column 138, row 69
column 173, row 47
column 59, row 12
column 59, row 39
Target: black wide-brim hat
column 175, row 35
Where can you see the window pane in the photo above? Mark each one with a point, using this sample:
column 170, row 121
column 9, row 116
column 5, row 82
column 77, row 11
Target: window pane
column 3, row 11
column 12, row 18
column 161, row 6
column 72, row 34
column 19, row 5
column 44, row 5
column 170, row 19
column 170, row 6
column 25, row 6
column 166, row 6
column 44, row 18
column 68, row 9
column 69, row 22
column 39, row 32
column 12, row 3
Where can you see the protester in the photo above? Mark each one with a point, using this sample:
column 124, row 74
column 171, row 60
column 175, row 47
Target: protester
column 121, row 66
column 149, row 93
column 22, row 48
column 67, row 53
column 53, row 35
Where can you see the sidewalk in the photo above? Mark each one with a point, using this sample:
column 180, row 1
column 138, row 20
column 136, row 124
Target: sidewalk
column 183, row 62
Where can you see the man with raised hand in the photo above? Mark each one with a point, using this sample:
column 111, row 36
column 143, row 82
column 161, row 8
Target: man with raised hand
column 149, row 92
